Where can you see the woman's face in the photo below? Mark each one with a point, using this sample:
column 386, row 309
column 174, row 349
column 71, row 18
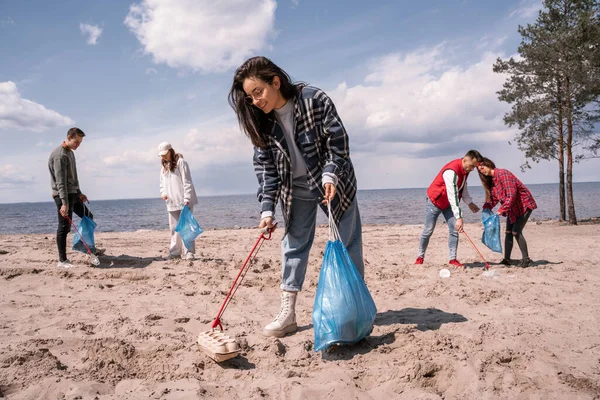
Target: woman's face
column 263, row 95
column 487, row 171
column 167, row 156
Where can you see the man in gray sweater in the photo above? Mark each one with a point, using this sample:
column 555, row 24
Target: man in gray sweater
column 65, row 190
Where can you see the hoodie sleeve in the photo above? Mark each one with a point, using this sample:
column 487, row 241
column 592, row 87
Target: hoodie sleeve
column 163, row 189
column 186, row 177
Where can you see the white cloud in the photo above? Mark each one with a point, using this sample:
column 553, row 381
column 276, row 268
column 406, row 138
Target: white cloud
column 218, row 145
column 202, row 35
column 132, row 158
column 417, row 100
column 295, row 3
column 211, row 144
column 13, row 176
column 151, row 71
column 23, row 114
column 526, row 9
column 488, row 43
column 92, row 32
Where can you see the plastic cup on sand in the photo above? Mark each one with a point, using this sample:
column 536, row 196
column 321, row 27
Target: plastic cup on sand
column 444, row 273
column 490, row 273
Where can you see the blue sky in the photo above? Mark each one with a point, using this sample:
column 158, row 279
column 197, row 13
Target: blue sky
column 412, row 81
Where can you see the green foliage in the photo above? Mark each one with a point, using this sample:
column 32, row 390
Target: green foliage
column 556, row 77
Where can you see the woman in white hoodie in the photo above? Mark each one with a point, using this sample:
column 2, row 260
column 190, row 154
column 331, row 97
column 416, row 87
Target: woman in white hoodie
column 177, row 189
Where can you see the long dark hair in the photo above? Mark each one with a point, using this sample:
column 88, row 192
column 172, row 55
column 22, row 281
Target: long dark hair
column 170, row 165
column 487, row 181
column 253, row 121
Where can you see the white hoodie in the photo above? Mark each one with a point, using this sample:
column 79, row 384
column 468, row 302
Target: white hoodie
column 178, row 186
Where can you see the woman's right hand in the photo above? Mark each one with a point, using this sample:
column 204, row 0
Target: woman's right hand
column 266, row 222
column 164, row 197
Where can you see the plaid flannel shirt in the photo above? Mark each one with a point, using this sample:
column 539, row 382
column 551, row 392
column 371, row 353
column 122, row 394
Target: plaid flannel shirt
column 323, row 142
column 515, row 198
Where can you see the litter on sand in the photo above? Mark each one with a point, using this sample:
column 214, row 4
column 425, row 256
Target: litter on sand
column 490, row 273
column 444, row 273
column 217, row 345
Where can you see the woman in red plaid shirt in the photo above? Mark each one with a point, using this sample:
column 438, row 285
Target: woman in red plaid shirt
column 517, row 203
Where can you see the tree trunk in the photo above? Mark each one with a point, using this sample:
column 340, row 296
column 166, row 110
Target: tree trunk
column 561, row 184
column 561, row 154
column 569, row 148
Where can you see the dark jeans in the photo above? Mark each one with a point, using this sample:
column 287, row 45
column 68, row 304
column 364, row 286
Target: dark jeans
column 64, row 226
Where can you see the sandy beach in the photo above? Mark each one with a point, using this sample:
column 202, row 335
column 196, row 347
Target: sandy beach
column 128, row 329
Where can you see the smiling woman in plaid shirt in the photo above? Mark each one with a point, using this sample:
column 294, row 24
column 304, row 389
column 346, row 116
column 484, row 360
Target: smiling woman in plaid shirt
column 516, row 201
column 301, row 157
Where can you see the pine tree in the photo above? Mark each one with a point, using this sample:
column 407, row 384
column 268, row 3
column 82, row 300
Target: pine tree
column 554, row 89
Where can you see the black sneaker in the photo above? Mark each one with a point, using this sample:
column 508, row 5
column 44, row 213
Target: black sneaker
column 505, row 262
column 526, row 262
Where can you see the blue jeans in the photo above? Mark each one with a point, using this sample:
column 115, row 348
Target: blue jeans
column 296, row 244
column 431, row 215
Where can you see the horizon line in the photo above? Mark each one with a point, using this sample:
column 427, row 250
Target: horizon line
column 252, row 194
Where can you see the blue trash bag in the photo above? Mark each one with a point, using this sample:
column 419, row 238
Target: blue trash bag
column 491, row 230
column 85, row 229
column 188, row 227
column 344, row 310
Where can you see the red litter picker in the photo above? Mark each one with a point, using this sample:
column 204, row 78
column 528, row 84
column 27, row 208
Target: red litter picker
column 216, row 344
column 487, row 266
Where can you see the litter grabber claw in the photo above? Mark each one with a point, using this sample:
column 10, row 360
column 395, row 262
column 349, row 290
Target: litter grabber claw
column 216, row 344
column 94, row 260
column 487, row 266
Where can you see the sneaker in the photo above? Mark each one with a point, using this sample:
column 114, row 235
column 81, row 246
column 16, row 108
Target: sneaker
column 65, row 264
column 285, row 321
column 526, row 262
column 419, row 261
column 455, row 263
column 505, row 261
column 173, row 256
column 99, row 251
column 190, row 256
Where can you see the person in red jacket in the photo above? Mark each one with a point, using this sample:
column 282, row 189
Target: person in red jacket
column 443, row 197
column 517, row 203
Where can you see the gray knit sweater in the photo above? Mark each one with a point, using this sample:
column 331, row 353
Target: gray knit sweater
column 63, row 173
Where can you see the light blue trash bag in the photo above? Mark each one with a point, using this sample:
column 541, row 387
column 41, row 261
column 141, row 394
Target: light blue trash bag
column 187, row 227
column 344, row 310
column 85, row 229
column 491, row 230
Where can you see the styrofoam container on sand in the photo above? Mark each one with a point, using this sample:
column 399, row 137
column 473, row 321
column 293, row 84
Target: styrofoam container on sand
column 218, row 346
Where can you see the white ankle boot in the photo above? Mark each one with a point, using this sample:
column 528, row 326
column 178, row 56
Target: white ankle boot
column 285, row 321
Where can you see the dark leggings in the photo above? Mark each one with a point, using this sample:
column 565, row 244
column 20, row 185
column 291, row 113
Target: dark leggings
column 515, row 230
column 64, row 226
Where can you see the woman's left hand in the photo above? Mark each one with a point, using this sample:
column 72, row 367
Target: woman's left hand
column 329, row 192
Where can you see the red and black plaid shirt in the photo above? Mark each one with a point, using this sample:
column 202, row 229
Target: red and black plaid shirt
column 515, row 198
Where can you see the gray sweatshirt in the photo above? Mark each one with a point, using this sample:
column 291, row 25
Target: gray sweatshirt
column 63, row 173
